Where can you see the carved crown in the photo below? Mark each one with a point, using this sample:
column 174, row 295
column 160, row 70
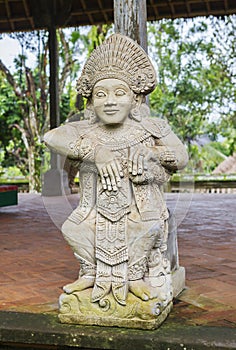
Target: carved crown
column 122, row 58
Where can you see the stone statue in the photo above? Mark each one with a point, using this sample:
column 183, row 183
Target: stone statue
column 119, row 230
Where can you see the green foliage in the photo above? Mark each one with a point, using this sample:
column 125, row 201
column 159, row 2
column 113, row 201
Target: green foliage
column 196, row 79
column 204, row 159
column 96, row 36
column 222, row 148
column 65, row 106
column 11, row 171
column 226, row 126
column 10, row 137
column 1, row 160
column 24, row 102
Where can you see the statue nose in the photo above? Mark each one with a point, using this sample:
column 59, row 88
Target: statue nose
column 110, row 101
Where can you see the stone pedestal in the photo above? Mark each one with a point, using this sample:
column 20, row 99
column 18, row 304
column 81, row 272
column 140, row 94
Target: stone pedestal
column 77, row 308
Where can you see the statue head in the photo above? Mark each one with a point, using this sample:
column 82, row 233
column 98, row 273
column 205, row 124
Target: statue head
column 112, row 101
column 122, row 59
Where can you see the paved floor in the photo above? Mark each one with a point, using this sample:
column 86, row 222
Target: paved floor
column 35, row 261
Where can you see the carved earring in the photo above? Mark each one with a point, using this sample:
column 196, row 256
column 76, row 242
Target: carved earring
column 92, row 118
column 144, row 110
column 135, row 114
column 90, row 115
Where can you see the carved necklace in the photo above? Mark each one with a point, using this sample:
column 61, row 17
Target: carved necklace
column 123, row 137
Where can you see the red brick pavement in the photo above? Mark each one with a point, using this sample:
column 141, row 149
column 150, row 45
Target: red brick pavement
column 35, row 261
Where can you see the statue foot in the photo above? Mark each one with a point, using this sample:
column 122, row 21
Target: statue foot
column 82, row 283
column 142, row 290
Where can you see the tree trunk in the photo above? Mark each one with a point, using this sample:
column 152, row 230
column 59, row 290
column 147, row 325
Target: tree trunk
column 32, row 170
column 130, row 18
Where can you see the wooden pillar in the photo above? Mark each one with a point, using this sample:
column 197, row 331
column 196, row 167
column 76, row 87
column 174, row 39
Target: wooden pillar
column 130, row 18
column 55, row 180
column 53, row 86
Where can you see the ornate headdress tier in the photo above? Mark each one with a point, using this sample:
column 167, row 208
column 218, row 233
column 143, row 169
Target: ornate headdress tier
column 121, row 58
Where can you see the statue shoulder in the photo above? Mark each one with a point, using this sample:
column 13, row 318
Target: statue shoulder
column 79, row 127
column 157, row 127
column 64, row 138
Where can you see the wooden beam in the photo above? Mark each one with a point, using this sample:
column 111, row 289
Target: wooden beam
column 102, row 11
column 154, row 8
column 89, row 14
column 27, row 12
column 171, row 7
column 9, row 15
column 130, row 18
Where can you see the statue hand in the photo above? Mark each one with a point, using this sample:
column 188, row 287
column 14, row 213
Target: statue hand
column 109, row 169
column 168, row 159
column 138, row 160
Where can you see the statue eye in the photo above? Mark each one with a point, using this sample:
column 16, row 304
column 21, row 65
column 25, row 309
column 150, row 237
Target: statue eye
column 120, row 92
column 100, row 94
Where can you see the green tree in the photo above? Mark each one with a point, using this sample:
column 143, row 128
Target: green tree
column 25, row 92
column 195, row 81
column 30, row 95
column 11, row 144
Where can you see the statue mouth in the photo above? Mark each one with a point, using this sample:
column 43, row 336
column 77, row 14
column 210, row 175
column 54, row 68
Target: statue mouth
column 111, row 111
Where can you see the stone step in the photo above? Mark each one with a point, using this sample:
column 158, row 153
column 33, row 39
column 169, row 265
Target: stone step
column 43, row 331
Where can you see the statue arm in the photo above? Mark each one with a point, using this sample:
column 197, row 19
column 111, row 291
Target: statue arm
column 156, row 162
column 145, row 166
column 66, row 140
column 169, row 149
column 171, row 152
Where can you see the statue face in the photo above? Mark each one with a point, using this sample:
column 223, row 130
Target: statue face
column 112, row 101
